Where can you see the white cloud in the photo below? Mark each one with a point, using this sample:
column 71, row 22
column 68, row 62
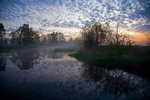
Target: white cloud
column 70, row 14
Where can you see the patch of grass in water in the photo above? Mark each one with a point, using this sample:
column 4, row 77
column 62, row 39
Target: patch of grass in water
column 64, row 50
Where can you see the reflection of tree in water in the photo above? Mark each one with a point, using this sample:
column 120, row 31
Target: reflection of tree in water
column 119, row 83
column 25, row 59
column 93, row 73
column 115, row 82
column 2, row 62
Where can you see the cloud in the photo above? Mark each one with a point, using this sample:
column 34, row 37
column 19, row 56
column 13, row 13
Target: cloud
column 45, row 14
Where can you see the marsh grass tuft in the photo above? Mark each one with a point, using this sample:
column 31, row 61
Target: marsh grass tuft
column 64, row 50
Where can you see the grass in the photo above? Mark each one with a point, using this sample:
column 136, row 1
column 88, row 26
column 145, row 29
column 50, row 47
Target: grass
column 134, row 64
column 95, row 58
column 64, row 50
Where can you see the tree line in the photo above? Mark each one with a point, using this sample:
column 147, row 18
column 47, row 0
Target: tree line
column 105, row 39
column 25, row 35
column 97, row 34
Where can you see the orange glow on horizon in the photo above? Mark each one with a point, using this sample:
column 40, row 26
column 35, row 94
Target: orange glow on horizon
column 140, row 37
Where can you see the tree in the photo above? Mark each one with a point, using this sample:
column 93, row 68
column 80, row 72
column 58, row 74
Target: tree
column 43, row 39
column 36, row 37
column 61, row 37
column 57, row 37
column 2, row 31
column 14, row 37
column 25, row 35
column 95, row 34
column 51, row 38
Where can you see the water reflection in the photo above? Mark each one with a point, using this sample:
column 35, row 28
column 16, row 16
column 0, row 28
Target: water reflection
column 25, row 59
column 59, row 77
column 115, row 82
column 2, row 62
column 48, row 53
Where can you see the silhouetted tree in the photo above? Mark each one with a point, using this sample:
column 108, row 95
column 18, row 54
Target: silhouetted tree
column 95, row 34
column 43, row 39
column 2, row 31
column 51, row 38
column 25, row 35
column 36, row 37
column 15, row 37
column 98, row 34
column 57, row 37
column 61, row 37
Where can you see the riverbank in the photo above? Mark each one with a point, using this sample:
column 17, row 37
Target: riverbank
column 133, row 64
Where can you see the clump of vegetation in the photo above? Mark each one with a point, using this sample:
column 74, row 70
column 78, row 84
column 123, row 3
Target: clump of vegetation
column 64, row 50
column 107, row 48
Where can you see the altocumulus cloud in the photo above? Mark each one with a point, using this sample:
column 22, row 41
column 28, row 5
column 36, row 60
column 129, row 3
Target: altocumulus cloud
column 71, row 15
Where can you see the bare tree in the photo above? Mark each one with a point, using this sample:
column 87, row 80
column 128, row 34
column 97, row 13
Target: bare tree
column 95, row 34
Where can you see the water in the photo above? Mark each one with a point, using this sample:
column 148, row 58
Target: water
column 43, row 74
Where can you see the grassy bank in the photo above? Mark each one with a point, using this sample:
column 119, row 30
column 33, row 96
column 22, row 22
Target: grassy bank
column 134, row 64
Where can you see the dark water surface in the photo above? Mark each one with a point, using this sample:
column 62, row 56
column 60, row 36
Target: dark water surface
column 42, row 74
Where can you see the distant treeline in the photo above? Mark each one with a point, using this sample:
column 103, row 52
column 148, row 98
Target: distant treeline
column 94, row 35
column 25, row 35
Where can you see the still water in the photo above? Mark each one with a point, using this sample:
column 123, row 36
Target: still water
column 43, row 74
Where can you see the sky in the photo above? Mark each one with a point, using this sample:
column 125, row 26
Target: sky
column 69, row 16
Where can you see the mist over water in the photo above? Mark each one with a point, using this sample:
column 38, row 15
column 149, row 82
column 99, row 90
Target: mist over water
column 44, row 74
column 74, row 50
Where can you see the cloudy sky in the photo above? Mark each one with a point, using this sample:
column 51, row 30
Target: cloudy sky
column 69, row 16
